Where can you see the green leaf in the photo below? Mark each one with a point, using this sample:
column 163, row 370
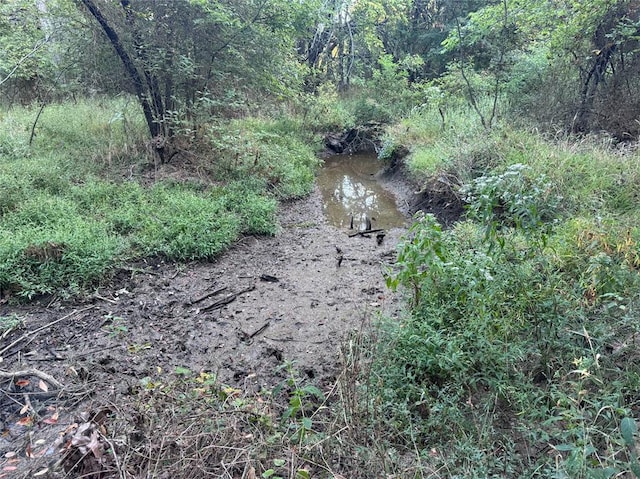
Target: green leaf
column 564, row 447
column 181, row 371
column 302, row 474
column 635, row 468
column 295, row 402
column 628, row 428
column 314, row 391
column 307, row 423
column 605, row 473
column 268, row 473
column 279, row 462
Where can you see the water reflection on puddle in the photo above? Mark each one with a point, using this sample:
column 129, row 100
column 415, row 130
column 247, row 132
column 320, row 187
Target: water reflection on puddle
column 350, row 189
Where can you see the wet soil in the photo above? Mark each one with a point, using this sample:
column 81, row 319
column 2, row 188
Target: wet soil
column 266, row 301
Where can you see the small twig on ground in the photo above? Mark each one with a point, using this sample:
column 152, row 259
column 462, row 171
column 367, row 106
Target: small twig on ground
column 102, row 298
column 295, row 340
column 261, row 329
column 121, row 473
column 53, row 299
column 33, row 372
column 224, row 301
column 268, row 278
column 365, row 232
column 28, row 406
column 207, row 295
column 42, row 328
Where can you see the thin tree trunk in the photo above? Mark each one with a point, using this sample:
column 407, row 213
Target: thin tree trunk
column 127, row 62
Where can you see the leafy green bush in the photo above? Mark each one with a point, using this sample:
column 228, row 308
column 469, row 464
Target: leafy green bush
column 366, row 109
column 512, row 199
column 324, row 111
column 387, row 95
column 505, row 325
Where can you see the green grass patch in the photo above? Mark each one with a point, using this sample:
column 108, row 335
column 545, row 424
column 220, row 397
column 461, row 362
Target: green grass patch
column 69, row 216
column 49, row 244
column 589, row 174
column 278, row 153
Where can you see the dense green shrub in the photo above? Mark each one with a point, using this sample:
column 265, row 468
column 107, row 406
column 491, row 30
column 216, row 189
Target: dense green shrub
column 49, row 245
column 507, row 325
column 522, row 314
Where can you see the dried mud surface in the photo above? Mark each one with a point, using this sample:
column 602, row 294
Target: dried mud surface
column 271, row 300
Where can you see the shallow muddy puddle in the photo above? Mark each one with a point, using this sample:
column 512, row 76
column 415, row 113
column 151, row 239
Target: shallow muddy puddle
column 350, row 190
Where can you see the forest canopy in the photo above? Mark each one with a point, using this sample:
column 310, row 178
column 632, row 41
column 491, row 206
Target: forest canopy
column 564, row 64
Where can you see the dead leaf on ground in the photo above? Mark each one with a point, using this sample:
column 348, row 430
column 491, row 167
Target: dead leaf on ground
column 25, row 421
column 43, row 386
column 89, row 442
column 84, row 450
column 51, row 420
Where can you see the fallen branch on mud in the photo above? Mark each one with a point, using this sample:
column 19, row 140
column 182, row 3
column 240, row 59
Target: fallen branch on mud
column 207, row 295
column 249, row 336
column 42, row 328
column 226, row 300
column 289, row 338
column 33, row 372
column 366, row 232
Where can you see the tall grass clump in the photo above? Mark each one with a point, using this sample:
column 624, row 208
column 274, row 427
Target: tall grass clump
column 589, row 174
column 87, row 136
column 443, row 139
column 277, row 152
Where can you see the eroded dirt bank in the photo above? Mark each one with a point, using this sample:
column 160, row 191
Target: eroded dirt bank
column 264, row 302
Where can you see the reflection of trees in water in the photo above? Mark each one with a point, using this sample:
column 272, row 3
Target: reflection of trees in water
column 349, row 188
column 354, row 195
column 355, row 198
